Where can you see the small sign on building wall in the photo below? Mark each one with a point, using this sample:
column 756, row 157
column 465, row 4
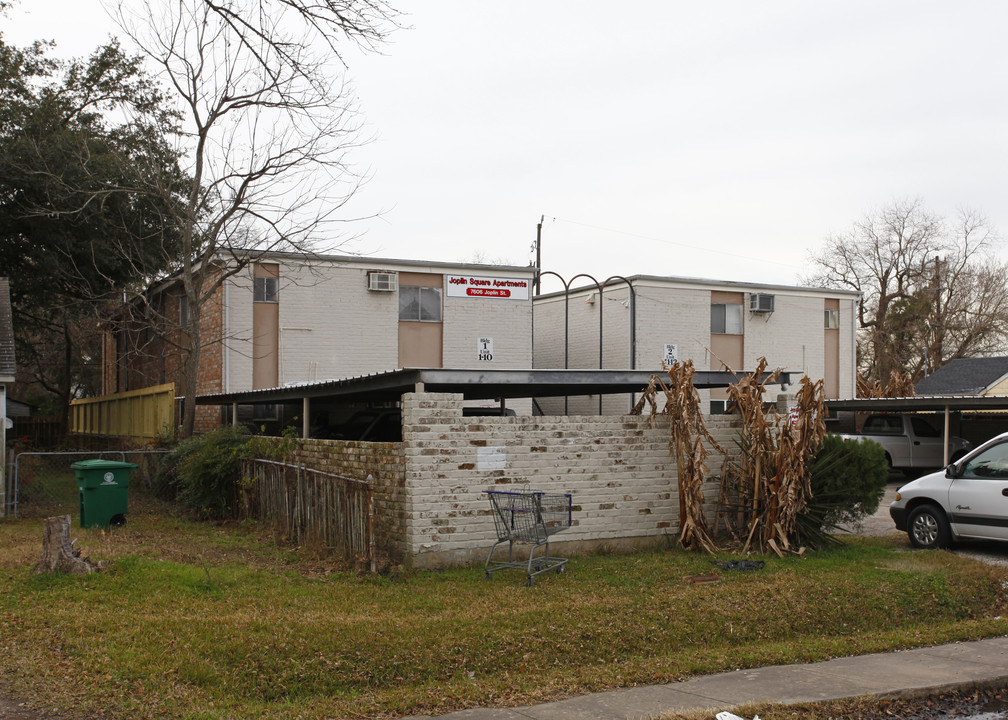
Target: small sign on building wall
column 484, row 349
column 491, row 458
column 671, row 354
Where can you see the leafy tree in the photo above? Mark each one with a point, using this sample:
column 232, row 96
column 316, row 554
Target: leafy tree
column 75, row 225
column 930, row 289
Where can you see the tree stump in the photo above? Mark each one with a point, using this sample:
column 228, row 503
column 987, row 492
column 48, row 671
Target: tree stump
column 57, row 551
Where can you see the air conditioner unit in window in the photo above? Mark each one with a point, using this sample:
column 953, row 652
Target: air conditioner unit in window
column 761, row 303
column 382, row 281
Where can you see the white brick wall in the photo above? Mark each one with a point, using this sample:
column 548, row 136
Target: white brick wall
column 617, row 468
column 332, row 326
column 678, row 312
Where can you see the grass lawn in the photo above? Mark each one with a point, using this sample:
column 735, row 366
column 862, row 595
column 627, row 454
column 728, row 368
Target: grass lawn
column 201, row 621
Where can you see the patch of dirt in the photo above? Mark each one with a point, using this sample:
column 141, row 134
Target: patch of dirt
column 980, row 703
column 13, row 710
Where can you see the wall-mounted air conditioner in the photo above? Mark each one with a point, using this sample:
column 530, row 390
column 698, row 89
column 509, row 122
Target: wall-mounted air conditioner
column 761, row 303
column 382, row 281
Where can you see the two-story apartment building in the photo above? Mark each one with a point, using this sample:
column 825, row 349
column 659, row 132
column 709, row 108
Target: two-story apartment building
column 289, row 318
column 716, row 324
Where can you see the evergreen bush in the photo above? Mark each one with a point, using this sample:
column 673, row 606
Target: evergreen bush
column 203, row 472
column 848, row 481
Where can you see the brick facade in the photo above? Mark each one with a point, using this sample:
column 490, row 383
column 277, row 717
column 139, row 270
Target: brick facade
column 139, row 353
column 385, row 463
column 430, row 488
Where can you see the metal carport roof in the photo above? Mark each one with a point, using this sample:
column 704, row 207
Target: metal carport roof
column 926, row 403
column 473, row 384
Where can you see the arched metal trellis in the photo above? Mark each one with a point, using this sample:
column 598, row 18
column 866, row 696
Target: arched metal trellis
column 601, row 290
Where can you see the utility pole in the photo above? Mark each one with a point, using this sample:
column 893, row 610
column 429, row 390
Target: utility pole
column 939, row 329
column 538, row 252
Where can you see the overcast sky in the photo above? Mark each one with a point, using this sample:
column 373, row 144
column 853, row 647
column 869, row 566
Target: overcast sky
column 719, row 140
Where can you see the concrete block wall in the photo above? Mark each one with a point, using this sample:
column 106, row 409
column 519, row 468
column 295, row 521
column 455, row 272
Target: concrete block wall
column 618, row 470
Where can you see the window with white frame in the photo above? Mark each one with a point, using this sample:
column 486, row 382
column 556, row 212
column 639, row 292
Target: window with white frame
column 718, row 407
column 419, row 304
column 726, row 319
column 265, row 289
column 831, row 319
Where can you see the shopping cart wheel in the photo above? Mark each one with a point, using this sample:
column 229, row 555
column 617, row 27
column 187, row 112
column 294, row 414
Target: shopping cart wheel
column 561, row 569
column 489, row 575
column 529, row 581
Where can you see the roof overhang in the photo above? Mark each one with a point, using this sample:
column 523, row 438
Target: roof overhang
column 473, row 384
column 932, row 403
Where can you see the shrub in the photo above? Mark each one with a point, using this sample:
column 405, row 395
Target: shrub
column 848, row 481
column 203, row 471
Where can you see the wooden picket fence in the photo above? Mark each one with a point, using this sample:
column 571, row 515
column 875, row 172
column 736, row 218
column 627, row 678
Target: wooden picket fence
column 312, row 508
column 139, row 414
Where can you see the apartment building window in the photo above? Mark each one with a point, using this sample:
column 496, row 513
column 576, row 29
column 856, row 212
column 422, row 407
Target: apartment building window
column 419, row 304
column 726, row 319
column 183, row 310
column 831, row 319
column 265, row 289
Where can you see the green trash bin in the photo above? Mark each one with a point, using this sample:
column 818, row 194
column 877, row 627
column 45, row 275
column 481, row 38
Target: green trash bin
column 103, row 486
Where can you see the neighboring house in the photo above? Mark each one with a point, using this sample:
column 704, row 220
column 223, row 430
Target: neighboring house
column 716, row 324
column 290, row 318
column 967, row 376
column 7, row 372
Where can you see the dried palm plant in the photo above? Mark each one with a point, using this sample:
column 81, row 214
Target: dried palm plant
column 768, row 487
column 899, row 385
column 686, row 444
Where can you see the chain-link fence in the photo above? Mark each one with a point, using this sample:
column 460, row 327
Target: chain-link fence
column 41, row 484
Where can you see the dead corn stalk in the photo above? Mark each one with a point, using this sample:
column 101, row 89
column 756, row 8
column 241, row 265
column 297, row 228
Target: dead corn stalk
column 768, row 487
column 686, row 445
column 899, row 385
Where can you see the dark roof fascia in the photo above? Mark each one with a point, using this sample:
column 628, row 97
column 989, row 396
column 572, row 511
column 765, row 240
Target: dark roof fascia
column 167, row 282
column 473, row 384
column 370, row 261
column 708, row 282
column 932, row 403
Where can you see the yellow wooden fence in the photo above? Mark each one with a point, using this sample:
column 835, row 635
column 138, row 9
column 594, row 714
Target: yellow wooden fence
column 140, row 414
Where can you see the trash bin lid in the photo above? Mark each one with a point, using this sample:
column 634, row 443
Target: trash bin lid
column 97, row 464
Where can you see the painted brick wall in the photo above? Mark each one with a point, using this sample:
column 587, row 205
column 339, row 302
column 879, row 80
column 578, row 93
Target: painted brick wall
column 332, row 326
column 679, row 312
column 617, row 468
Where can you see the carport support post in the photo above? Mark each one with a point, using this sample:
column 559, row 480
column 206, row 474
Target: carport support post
column 945, row 449
column 305, row 425
column 234, row 413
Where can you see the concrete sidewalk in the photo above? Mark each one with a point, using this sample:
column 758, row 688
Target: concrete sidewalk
column 941, row 667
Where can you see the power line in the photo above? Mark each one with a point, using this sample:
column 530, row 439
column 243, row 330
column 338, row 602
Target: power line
column 678, row 244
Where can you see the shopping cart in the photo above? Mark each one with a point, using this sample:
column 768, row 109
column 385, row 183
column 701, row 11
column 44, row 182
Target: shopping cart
column 529, row 518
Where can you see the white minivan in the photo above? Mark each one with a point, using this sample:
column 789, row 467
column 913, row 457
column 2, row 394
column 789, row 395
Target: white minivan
column 968, row 499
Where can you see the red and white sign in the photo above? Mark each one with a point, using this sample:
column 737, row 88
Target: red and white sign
column 488, row 287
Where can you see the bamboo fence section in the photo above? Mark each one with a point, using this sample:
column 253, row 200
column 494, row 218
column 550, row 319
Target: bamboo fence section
column 312, row 508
